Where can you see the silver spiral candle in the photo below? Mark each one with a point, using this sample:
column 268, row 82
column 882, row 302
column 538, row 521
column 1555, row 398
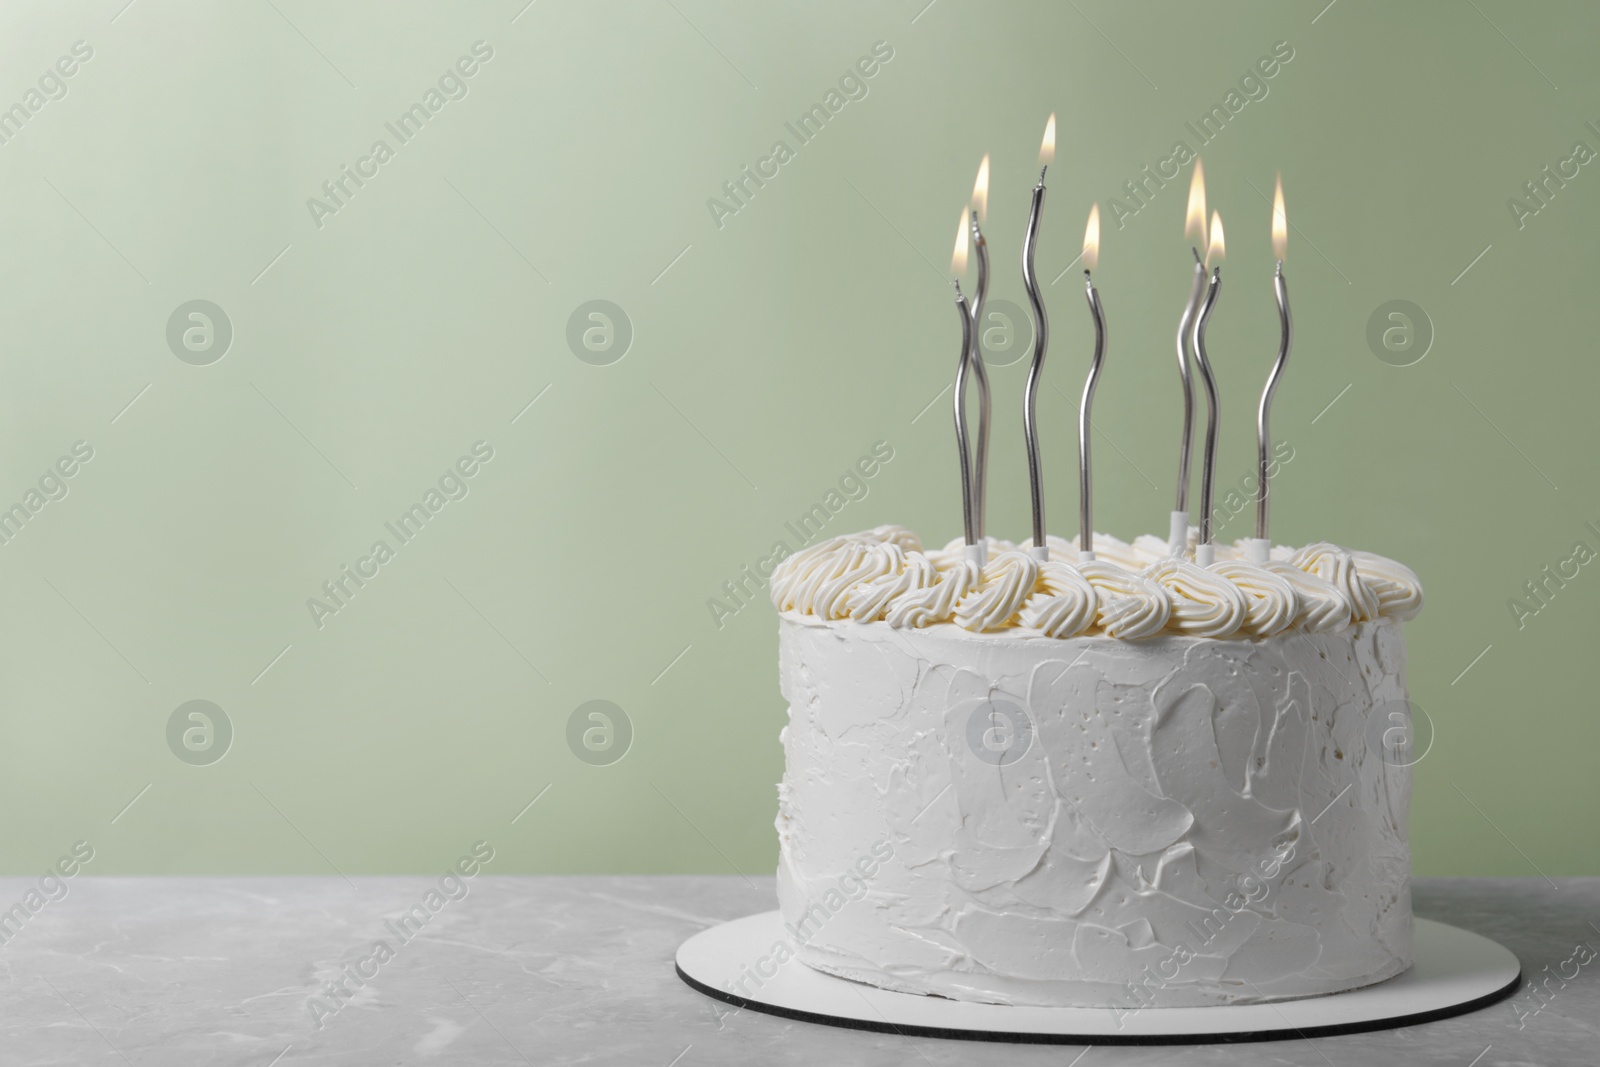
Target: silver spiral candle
column 1197, row 292
column 1208, row 468
column 1262, row 547
column 1194, row 226
column 1041, row 343
column 1091, row 256
column 1263, row 433
column 980, row 472
column 969, row 513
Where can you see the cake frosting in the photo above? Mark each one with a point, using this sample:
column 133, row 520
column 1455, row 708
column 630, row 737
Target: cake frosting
column 1123, row 782
column 1137, row 589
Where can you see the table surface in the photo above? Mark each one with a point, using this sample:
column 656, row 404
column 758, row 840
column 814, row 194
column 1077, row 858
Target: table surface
column 541, row 970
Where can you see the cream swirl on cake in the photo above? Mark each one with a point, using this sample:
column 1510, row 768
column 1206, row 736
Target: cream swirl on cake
column 1004, row 586
column 1320, row 607
column 870, row 602
column 1065, row 604
column 1399, row 593
column 1108, row 549
column 821, row 582
column 1338, row 567
column 1271, row 602
column 934, row 603
column 1131, row 605
column 998, row 547
column 1128, row 591
column 1059, row 548
column 1150, row 549
column 1204, row 604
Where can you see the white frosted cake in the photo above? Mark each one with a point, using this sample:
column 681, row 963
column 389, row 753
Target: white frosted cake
column 1129, row 782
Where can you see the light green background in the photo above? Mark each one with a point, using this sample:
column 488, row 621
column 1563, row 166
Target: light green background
column 773, row 352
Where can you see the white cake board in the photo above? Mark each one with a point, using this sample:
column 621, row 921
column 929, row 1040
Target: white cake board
column 1456, row 971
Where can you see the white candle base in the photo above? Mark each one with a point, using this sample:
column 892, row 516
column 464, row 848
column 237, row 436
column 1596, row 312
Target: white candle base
column 1178, row 539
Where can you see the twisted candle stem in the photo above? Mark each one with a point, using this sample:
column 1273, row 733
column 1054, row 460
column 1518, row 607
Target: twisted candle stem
column 975, row 358
column 963, row 361
column 1041, row 341
column 1085, row 478
column 1208, row 467
column 1263, row 434
column 1185, row 444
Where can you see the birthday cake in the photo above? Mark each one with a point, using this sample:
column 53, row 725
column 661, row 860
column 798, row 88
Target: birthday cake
column 1124, row 781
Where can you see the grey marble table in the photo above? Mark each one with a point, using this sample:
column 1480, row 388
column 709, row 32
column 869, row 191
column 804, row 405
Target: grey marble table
column 579, row 970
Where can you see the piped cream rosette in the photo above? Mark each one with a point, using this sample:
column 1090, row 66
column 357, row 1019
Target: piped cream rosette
column 1127, row 591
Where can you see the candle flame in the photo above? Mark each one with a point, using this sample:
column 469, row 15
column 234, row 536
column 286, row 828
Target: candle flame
column 980, row 191
column 958, row 261
column 1216, row 250
column 1194, row 225
column 1047, row 149
column 1280, row 223
column 1091, row 240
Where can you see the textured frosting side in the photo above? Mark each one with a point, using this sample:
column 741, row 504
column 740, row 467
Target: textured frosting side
column 1127, row 591
column 1094, row 822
